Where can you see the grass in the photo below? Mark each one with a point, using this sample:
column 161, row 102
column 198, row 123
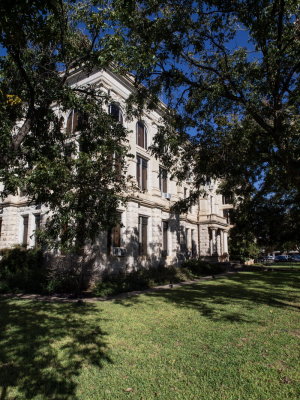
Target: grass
column 233, row 338
column 286, row 265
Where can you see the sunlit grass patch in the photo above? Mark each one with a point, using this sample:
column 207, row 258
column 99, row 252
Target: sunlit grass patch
column 225, row 339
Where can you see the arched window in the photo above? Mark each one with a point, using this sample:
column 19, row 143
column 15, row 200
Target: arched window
column 75, row 121
column 115, row 112
column 141, row 135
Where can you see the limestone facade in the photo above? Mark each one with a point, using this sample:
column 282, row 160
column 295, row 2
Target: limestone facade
column 149, row 234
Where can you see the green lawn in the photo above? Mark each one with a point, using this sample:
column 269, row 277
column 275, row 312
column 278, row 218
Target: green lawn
column 235, row 338
column 286, row 265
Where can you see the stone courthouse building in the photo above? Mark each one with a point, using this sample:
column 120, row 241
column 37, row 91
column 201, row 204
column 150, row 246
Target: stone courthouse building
column 149, row 234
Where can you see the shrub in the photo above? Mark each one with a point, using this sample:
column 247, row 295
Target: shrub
column 25, row 270
column 200, row 268
column 63, row 276
column 140, row 280
column 22, row 269
column 122, row 282
column 4, row 288
column 61, row 283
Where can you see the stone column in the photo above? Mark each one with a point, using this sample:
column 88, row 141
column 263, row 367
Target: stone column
column 225, row 242
column 205, row 241
column 218, row 243
column 213, row 247
column 10, row 233
column 222, row 242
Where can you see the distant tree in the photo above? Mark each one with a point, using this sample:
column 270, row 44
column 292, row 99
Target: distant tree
column 242, row 246
column 291, row 246
column 274, row 223
column 229, row 72
column 68, row 165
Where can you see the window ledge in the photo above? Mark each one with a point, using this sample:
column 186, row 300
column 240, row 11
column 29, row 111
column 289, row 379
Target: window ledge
column 140, row 148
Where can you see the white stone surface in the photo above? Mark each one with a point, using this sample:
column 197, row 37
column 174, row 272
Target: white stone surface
column 202, row 217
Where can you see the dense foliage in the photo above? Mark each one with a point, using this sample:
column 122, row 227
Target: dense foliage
column 229, row 71
column 146, row 278
column 22, row 270
column 29, row 271
column 45, row 43
column 243, row 245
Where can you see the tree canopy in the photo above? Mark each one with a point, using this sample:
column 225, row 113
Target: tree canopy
column 229, row 72
column 44, row 42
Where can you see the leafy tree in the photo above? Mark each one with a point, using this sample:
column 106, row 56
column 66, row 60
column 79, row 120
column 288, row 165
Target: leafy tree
column 242, row 246
column 273, row 223
column 229, row 71
column 45, row 43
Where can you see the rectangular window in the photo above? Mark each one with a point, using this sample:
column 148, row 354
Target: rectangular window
column 114, row 236
column 69, row 150
column 114, row 163
column 165, row 227
column 163, row 177
column 141, row 172
column 118, row 165
column 143, row 235
column 141, row 135
column 194, row 246
column 228, row 199
column 115, row 112
column 25, row 230
column 226, row 214
column 38, row 219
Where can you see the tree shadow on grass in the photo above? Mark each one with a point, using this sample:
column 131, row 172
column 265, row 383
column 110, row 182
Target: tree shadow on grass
column 44, row 346
column 243, row 290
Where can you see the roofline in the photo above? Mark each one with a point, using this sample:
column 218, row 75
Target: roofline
column 126, row 79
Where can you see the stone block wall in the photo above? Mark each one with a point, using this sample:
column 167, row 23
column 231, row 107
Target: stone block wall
column 151, row 204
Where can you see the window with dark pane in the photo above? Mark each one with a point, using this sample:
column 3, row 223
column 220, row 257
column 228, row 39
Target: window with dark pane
column 76, row 121
column 165, row 227
column 143, row 235
column 141, row 135
column 114, row 235
column 194, row 245
column 25, row 230
column 38, row 220
column 163, row 178
column 115, row 112
column 227, row 199
column 141, row 172
column 226, row 214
